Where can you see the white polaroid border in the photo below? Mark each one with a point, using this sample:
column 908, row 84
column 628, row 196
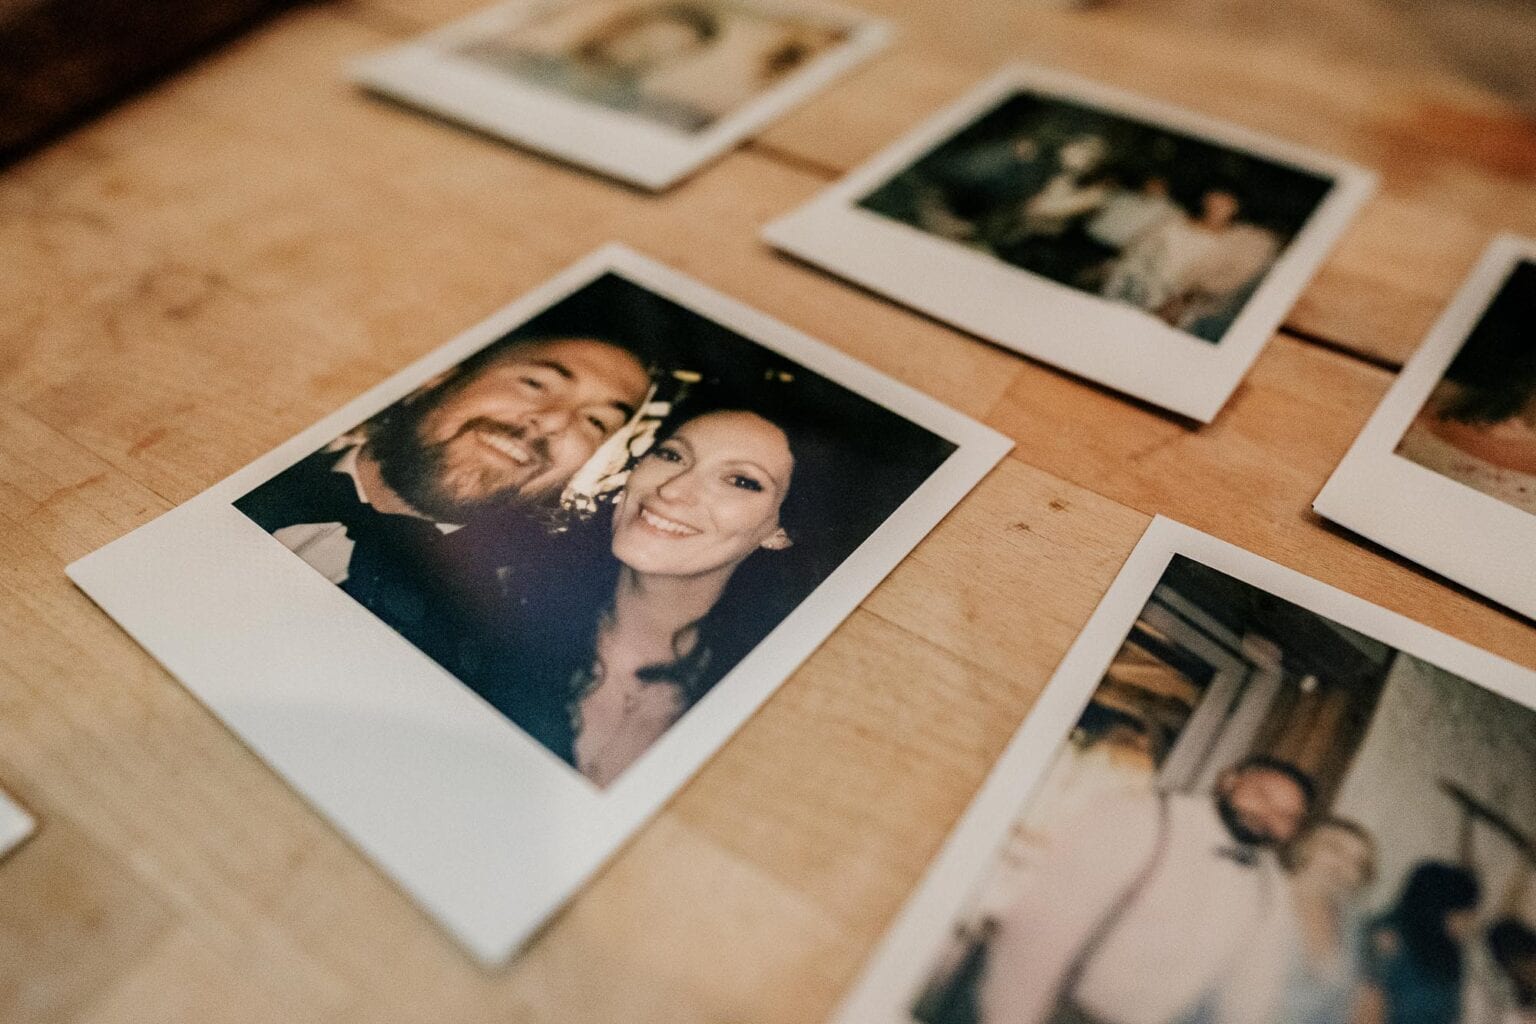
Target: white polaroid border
column 895, row 974
column 428, row 73
column 16, row 824
column 1116, row 345
column 477, row 821
column 1443, row 524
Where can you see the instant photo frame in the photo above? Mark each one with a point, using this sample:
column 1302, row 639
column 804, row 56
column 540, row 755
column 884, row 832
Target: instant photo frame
column 477, row 821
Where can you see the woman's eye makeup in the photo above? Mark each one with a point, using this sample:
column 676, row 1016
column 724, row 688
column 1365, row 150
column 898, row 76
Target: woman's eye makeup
column 746, row 483
column 667, row 453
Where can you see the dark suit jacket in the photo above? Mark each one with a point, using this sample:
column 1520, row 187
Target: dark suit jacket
column 447, row 594
column 398, row 562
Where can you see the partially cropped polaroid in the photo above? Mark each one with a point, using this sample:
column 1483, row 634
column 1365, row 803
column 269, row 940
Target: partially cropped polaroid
column 1138, row 245
column 491, row 615
column 642, row 90
column 1244, row 797
column 1445, row 471
column 16, row 824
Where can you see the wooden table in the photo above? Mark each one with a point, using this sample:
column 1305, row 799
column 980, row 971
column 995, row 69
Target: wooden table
column 206, row 270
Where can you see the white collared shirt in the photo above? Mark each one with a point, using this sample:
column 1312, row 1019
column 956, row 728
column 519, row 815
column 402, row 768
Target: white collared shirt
column 326, row 546
column 1205, row 928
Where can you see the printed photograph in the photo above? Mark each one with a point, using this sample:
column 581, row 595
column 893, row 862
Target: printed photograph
column 1478, row 426
column 1444, row 472
column 1136, row 244
column 681, row 64
column 1179, row 227
column 16, row 825
column 591, row 521
column 1261, row 816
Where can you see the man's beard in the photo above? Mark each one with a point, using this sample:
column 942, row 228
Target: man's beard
column 433, row 482
column 1235, row 825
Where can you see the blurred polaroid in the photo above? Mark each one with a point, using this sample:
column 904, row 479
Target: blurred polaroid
column 1144, row 247
column 16, row 825
column 491, row 615
column 645, row 91
column 1445, row 470
column 1244, row 798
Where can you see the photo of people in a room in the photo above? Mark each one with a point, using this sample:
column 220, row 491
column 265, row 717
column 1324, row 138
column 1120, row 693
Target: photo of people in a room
column 591, row 521
column 1479, row 425
column 1134, row 213
column 681, row 64
column 1261, row 817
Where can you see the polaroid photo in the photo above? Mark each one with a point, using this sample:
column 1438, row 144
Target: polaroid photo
column 1144, row 247
column 1445, row 470
column 16, row 825
column 1244, row 797
column 488, row 617
column 645, row 91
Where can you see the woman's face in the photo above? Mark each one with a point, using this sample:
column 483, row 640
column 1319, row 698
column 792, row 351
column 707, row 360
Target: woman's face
column 705, row 498
column 1343, row 861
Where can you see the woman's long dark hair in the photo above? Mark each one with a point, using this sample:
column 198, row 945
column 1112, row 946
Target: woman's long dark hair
column 1432, row 891
column 1496, row 366
column 767, row 585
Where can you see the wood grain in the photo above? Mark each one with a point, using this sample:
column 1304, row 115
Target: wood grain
column 214, row 266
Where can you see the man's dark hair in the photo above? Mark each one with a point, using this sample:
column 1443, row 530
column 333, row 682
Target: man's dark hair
column 1511, row 940
column 1496, row 366
column 497, row 350
column 697, row 18
column 1278, row 766
column 414, row 406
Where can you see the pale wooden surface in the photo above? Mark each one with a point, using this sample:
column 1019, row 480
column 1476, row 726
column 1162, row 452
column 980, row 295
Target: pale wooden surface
column 217, row 264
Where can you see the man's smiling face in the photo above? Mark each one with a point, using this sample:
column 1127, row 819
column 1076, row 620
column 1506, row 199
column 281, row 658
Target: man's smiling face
column 513, row 431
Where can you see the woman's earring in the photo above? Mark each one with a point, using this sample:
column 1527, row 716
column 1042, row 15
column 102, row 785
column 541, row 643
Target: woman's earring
column 778, row 540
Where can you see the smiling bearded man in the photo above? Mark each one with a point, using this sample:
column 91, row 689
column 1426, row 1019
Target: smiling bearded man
column 503, row 431
column 511, row 430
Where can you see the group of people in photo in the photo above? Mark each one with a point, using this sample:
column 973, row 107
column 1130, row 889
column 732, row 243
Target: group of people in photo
column 1177, row 228
column 1243, row 906
column 1260, row 816
column 716, row 501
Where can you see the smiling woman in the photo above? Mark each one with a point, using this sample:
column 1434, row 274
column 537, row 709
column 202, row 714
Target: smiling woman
column 725, row 525
column 698, row 506
column 700, row 502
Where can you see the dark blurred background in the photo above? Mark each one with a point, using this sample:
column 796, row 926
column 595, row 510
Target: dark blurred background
column 63, row 60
